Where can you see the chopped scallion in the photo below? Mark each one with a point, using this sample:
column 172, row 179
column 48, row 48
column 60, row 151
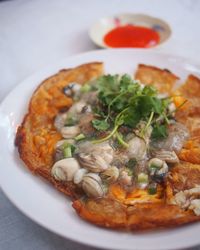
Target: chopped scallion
column 152, row 189
column 153, row 166
column 65, row 145
column 143, row 178
column 68, row 149
column 85, row 88
column 70, row 121
column 67, row 152
column 79, row 137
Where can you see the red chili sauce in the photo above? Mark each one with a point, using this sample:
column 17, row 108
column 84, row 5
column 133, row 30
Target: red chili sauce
column 130, row 36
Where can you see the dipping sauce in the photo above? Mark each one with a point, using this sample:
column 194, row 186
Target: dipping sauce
column 130, row 36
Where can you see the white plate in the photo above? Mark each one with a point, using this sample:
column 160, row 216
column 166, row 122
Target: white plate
column 38, row 199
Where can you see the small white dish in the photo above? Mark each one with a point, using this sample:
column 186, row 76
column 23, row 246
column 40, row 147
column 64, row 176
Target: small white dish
column 104, row 25
column 39, row 201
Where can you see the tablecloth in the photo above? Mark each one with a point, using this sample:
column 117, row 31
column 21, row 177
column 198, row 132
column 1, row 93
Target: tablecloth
column 36, row 33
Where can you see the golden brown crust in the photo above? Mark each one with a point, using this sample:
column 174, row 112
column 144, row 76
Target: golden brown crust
column 113, row 214
column 148, row 216
column 162, row 79
column 191, row 88
column 104, row 212
column 189, row 115
column 191, row 151
column 37, row 136
column 184, row 176
column 148, row 211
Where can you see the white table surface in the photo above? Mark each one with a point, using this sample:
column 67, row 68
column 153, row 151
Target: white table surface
column 36, row 33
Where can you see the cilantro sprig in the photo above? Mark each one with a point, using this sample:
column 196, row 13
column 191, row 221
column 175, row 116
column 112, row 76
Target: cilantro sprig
column 100, row 125
column 122, row 101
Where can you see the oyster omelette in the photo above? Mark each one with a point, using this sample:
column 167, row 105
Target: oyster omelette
column 125, row 149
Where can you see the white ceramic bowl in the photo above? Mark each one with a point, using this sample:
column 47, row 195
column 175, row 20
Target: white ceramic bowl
column 106, row 24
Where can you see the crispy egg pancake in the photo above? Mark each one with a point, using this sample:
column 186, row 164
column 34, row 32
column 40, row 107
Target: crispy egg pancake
column 176, row 200
column 162, row 79
column 36, row 137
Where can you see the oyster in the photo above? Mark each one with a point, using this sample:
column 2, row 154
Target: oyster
column 137, row 148
column 70, row 131
column 167, row 156
column 95, row 157
column 65, row 169
column 93, row 162
column 158, row 169
column 78, row 177
column 111, row 174
column 92, row 185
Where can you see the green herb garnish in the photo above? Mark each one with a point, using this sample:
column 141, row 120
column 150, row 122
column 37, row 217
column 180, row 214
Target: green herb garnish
column 159, row 132
column 120, row 139
column 100, row 125
column 124, row 102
